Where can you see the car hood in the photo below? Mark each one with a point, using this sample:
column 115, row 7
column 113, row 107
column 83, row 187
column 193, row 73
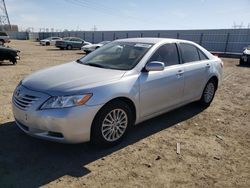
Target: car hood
column 9, row 49
column 69, row 78
column 247, row 51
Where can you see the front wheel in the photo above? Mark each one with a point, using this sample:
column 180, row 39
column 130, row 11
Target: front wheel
column 14, row 61
column 208, row 93
column 241, row 62
column 111, row 124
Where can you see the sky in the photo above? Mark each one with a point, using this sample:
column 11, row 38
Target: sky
column 128, row 14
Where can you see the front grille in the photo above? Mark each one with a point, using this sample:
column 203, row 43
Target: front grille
column 24, row 101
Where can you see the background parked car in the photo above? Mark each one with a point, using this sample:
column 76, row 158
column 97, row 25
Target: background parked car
column 9, row 54
column 245, row 58
column 92, row 47
column 70, row 43
column 50, row 41
column 4, row 38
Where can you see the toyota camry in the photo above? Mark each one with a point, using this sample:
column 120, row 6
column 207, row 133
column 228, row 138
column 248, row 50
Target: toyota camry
column 99, row 96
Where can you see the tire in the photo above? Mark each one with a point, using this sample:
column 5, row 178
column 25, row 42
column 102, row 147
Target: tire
column 104, row 133
column 47, row 43
column 208, row 93
column 241, row 62
column 69, row 47
column 1, row 42
column 14, row 61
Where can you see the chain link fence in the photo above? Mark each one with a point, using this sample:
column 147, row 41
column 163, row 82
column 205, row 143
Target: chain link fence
column 222, row 40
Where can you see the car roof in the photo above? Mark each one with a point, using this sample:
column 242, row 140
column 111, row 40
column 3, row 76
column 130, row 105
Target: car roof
column 151, row 40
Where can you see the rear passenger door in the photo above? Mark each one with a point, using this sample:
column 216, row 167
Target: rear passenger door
column 196, row 67
column 77, row 43
column 161, row 90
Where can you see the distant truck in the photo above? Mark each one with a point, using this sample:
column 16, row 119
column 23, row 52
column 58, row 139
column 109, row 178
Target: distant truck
column 4, row 38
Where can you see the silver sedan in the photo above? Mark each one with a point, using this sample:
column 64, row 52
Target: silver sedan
column 98, row 97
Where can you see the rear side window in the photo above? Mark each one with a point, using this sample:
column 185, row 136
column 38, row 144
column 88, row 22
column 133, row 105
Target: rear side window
column 167, row 54
column 189, row 53
column 76, row 40
column 202, row 55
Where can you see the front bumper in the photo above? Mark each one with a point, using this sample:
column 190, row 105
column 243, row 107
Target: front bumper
column 67, row 125
column 245, row 58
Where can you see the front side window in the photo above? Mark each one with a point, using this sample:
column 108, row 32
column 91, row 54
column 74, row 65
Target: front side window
column 117, row 55
column 189, row 53
column 168, row 54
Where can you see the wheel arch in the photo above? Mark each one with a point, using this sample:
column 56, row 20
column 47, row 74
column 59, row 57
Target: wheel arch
column 128, row 101
column 215, row 79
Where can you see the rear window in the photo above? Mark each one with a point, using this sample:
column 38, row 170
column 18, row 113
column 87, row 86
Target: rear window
column 3, row 34
column 202, row 55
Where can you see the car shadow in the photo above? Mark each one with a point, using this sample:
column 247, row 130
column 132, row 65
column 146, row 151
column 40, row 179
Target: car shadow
column 81, row 53
column 57, row 49
column 30, row 162
column 246, row 65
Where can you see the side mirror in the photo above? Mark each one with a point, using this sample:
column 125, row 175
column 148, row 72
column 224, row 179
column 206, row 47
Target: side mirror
column 154, row 66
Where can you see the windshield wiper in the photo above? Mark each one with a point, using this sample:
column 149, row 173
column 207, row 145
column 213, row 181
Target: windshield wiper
column 94, row 65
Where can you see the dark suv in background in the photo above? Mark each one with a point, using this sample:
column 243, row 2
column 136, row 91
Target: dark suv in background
column 4, row 38
column 245, row 57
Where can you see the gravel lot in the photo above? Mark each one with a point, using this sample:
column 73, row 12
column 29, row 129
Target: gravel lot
column 215, row 142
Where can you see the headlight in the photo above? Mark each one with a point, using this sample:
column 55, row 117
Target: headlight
column 66, row 101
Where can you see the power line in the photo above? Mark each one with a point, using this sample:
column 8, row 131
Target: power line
column 104, row 9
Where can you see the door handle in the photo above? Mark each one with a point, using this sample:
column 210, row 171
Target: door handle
column 180, row 73
column 208, row 66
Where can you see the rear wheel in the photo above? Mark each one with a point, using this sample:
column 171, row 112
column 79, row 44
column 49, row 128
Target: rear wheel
column 208, row 93
column 69, row 47
column 47, row 43
column 111, row 124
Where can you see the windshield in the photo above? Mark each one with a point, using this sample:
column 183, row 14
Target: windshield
column 104, row 42
column 117, row 55
column 66, row 38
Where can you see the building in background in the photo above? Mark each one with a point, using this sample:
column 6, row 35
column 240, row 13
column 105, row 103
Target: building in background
column 8, row 28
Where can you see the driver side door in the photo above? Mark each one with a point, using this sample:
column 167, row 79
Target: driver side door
column 162, row 90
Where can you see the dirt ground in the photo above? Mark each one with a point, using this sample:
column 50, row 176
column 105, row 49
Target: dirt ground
column 215, row 142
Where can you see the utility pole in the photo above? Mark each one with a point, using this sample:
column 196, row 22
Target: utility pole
column 4, row 18
column 94, row 28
